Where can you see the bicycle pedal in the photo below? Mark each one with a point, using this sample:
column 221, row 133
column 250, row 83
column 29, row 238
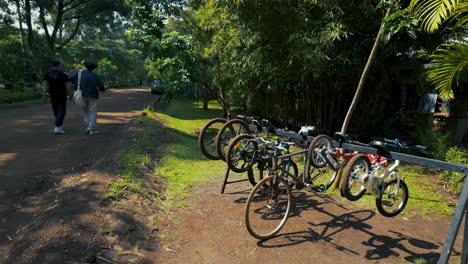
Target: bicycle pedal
column 319, row 188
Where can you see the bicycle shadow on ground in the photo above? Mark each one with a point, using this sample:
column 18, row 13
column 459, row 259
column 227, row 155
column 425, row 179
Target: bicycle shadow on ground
column 352, row 220
column 383, row 246
column 380, row 246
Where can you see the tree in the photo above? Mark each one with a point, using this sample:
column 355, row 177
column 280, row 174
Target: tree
column 450, row 59
column 64, row 17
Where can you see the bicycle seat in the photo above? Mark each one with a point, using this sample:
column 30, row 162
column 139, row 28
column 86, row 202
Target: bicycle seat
column 242, row 117
column 308, row 131
column 340, row 137
column 378, row 145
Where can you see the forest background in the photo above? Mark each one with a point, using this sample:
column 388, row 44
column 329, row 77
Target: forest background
column 294, row 62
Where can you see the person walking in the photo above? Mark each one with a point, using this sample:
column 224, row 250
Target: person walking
column 55, row 84
column 90, row 85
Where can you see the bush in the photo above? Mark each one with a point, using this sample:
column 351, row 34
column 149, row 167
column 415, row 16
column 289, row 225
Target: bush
column 437, row 142
column 453, row 180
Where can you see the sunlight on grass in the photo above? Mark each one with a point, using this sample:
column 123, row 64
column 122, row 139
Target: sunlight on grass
column 183, row 164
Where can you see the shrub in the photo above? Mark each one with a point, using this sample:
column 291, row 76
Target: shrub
column 453, row 180
column 438, row 142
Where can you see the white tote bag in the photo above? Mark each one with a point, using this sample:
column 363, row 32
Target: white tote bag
column 77, row 96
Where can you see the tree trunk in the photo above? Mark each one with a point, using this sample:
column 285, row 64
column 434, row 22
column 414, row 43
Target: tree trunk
column 205, row 103
column 20, row 21
column 370, row 60
column 27, row 10
column 52, row 37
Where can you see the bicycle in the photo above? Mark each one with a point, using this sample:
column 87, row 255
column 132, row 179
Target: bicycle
column 209, row 132
column 391, row 195
column 247, row 149
column 230, row 130
column 322, row 153
column 270, row 199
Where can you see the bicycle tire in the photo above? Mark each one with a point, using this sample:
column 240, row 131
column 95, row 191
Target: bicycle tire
column 205, row 140
column 350, row 187
column 227, row 132
column 382, row 203
column 265, row 188
column 312, row 155
column 252, row 176
column 240, row 155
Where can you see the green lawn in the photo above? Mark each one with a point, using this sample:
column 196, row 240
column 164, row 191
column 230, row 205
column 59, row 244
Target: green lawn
column 183, row 163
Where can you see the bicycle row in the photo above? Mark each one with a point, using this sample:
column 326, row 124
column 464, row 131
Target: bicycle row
column 324, row 165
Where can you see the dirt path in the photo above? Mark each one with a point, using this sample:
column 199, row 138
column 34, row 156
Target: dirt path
column 51, row 185
column 51, row 209
column 323, row 229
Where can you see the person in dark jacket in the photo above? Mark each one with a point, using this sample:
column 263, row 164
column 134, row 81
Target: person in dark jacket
column 90, row 85
column 55, row 84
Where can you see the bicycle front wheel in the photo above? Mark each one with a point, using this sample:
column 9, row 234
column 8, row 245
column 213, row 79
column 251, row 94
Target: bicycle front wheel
column 393, row 198
column 356, row 167
column 228, row 132
column 207, row 138
column 240, row 155
column 268, row 207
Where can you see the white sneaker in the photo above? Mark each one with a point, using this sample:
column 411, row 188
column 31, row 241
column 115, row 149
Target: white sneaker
column 59, row 130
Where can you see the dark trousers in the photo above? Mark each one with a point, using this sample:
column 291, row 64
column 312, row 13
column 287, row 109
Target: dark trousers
column 59, row 106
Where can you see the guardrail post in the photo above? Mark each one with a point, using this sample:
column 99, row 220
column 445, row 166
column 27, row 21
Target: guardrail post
column 464, row 256
column 452, row 234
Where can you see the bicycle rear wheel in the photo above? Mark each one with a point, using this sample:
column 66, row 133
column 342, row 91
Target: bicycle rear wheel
column 240, row 155
column 267, row 207
column 229, row 131
column 350, row 187
column 207, row 138
column 393, row 198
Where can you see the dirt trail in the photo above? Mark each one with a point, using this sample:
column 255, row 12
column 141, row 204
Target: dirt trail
column 51, row 210
column 323, row 229
column 52, row 184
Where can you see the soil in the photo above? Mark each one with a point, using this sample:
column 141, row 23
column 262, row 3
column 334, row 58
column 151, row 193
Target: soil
column 51, row 208
column 322, row 229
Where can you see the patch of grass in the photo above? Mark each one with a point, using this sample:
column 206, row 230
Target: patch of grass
column 183, row 164
column 135, row 159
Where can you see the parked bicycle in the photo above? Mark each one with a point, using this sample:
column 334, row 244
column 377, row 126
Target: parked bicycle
column 384, row 183
column 208, row 134
column 322, row 153
column 269, row 202
column 245, row 150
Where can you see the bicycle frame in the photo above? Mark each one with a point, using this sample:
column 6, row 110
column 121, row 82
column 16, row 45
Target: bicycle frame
column 302, row 177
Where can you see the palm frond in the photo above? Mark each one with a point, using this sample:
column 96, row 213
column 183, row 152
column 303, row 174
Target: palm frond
column 432, row 13
column 460, row 16
column 448, row 61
